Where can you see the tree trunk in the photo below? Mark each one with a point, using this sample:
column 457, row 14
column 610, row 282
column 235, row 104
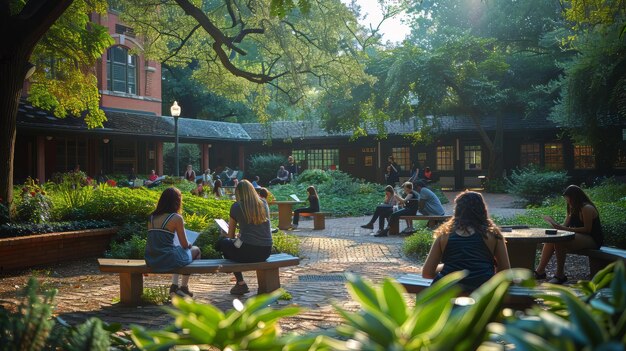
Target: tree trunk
column 12, row 73
column 496, row 165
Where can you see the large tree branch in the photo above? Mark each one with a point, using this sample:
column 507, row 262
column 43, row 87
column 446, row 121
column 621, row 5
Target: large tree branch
column 182, row 43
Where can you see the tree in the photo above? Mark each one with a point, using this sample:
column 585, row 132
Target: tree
column 58, row 30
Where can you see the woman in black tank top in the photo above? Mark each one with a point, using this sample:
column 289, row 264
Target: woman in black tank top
column 584, row 220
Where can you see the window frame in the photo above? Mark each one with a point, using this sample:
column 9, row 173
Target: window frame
column 584, row 157
column 474, row 153
column 445, row 153
column 553, row 160
column 530, row 154
column 129, row 67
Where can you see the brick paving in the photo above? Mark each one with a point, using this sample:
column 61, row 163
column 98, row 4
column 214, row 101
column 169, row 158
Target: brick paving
column 314, row 285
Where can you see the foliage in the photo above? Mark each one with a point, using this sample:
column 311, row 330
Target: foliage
column 286, row 243
column 74, row 188
column 418, row 245
column 265, row 166
column 314, row 176
column 34, row 206
column 188, row 154
column 595, row 323
column 157, row 295
column 135, row 247
column 535, row 184
column 4, row 213
column 32, row 327
column 23, row 229
column 250, row 326
column 497, row 185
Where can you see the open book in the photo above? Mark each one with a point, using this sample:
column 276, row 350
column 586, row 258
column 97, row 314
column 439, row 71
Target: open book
column 295, row 197
column 191, row 237
column 222, row 224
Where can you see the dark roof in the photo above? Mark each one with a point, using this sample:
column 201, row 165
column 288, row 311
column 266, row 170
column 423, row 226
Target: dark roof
column 120, row 122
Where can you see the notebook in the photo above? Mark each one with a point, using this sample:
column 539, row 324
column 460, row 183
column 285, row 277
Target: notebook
column 295, row 197
column 191, row 237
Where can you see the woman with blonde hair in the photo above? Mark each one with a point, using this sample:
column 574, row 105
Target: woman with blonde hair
column 468, row 241
column 253, row 243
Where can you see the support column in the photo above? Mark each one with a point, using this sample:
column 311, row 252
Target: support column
column 41, row 159
column 242, row 158
column 205, row 156
column 159, row 158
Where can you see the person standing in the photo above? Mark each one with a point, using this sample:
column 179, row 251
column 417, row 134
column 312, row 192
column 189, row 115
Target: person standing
column 314, row 206
column 468, row 241
column 292, row 168
column 583, row 219
column 393, row 175
column 207, row 177
column 254, row 242
column 161, row 254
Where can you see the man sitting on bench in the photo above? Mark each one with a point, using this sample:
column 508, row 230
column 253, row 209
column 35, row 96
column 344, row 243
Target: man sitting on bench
column 428, row 204
column 410, row 207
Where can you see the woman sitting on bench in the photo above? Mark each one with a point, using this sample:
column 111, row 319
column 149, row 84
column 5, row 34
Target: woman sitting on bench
column 161, row 253
column 467, row 241
column 314, row 206
column 584, row 220
column 254, row 242
column 383, row 210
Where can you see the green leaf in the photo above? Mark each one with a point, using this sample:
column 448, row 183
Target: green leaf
column 395, row 304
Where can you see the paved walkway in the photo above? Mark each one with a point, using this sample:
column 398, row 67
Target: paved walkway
column 314, row 284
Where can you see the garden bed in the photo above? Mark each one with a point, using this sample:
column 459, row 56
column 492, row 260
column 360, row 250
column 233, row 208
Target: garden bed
column 39, row 249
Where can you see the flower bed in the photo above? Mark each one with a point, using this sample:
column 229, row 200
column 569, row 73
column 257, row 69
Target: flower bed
column 39, row 249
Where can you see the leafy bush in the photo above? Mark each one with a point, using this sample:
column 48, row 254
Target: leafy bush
column 495, row 185
column 34, row 205
column 265, row 166
column 127, row 230
column 188, row 154
column 135, row 247
column 286, row 243
column 10, row 230
column 157, row 295
column 314, row 176
column 418, row 245
column 535, row 184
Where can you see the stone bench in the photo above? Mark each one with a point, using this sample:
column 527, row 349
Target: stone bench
column 319, row 219
column 435, row 220
column 131, row 272
column 518, row 297
column 600, row 258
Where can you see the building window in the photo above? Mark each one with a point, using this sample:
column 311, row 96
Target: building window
column 402, row 156
column 530, row 154
column 317, row 158
column 473, row 157
column 421, row 159
column 445, row 158
column 121, row 70
column 553, row 156
column 584, row 157
column 620, row 160
column 69, row 153
column 127, row 31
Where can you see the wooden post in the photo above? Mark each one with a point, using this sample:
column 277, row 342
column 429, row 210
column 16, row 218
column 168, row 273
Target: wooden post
column 131, row 288
column 319, row 221
column 268, row 280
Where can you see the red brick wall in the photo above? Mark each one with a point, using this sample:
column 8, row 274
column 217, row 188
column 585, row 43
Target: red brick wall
column 24, row 252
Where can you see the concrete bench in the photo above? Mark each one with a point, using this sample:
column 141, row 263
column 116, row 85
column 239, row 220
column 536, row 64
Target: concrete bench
column 434, row 220
column 600, row 258
column 518, row 297
column 131, row 272
column 319, row 219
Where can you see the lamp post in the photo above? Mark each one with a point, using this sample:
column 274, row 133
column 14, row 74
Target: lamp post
column 175, row 110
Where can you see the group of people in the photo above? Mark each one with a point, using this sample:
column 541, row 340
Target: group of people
column 286, row 173
column 392, row 173
column 253, row 242
column 468, row 241
column 419, row 199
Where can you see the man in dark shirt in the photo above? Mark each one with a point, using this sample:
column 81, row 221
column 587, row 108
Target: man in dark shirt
column 393, row 176
column 282, row 176
column 292, row 168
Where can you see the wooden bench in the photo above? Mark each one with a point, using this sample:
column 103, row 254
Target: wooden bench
column 319, row 219
column 132, row 271
column 600, row 258
column 394, row 227
column 518, row 297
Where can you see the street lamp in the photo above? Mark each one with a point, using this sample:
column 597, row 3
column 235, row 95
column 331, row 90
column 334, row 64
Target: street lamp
column 175, row 110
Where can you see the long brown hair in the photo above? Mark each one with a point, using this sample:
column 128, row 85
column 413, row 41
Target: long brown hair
column 470, row 210
column 578, row 199
column 252, row 206
column 171, row 201
column 311, row 190
column 216, row 187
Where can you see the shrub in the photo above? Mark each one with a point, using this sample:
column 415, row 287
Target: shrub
column 135, row 247
column 265, row 166
column 157, row 295
column 534, row 184
column 34, row 207
column 314, row 176
column 10, row 230
column 286, row 243
column 418, row 245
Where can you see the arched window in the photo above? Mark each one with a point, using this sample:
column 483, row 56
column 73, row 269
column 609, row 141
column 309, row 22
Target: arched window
column 121, row 70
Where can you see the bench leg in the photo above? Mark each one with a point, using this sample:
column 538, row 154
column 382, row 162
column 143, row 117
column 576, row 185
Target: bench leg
column 268, row 280
column 394, row 228
column 131, row 288
column 319, row 222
